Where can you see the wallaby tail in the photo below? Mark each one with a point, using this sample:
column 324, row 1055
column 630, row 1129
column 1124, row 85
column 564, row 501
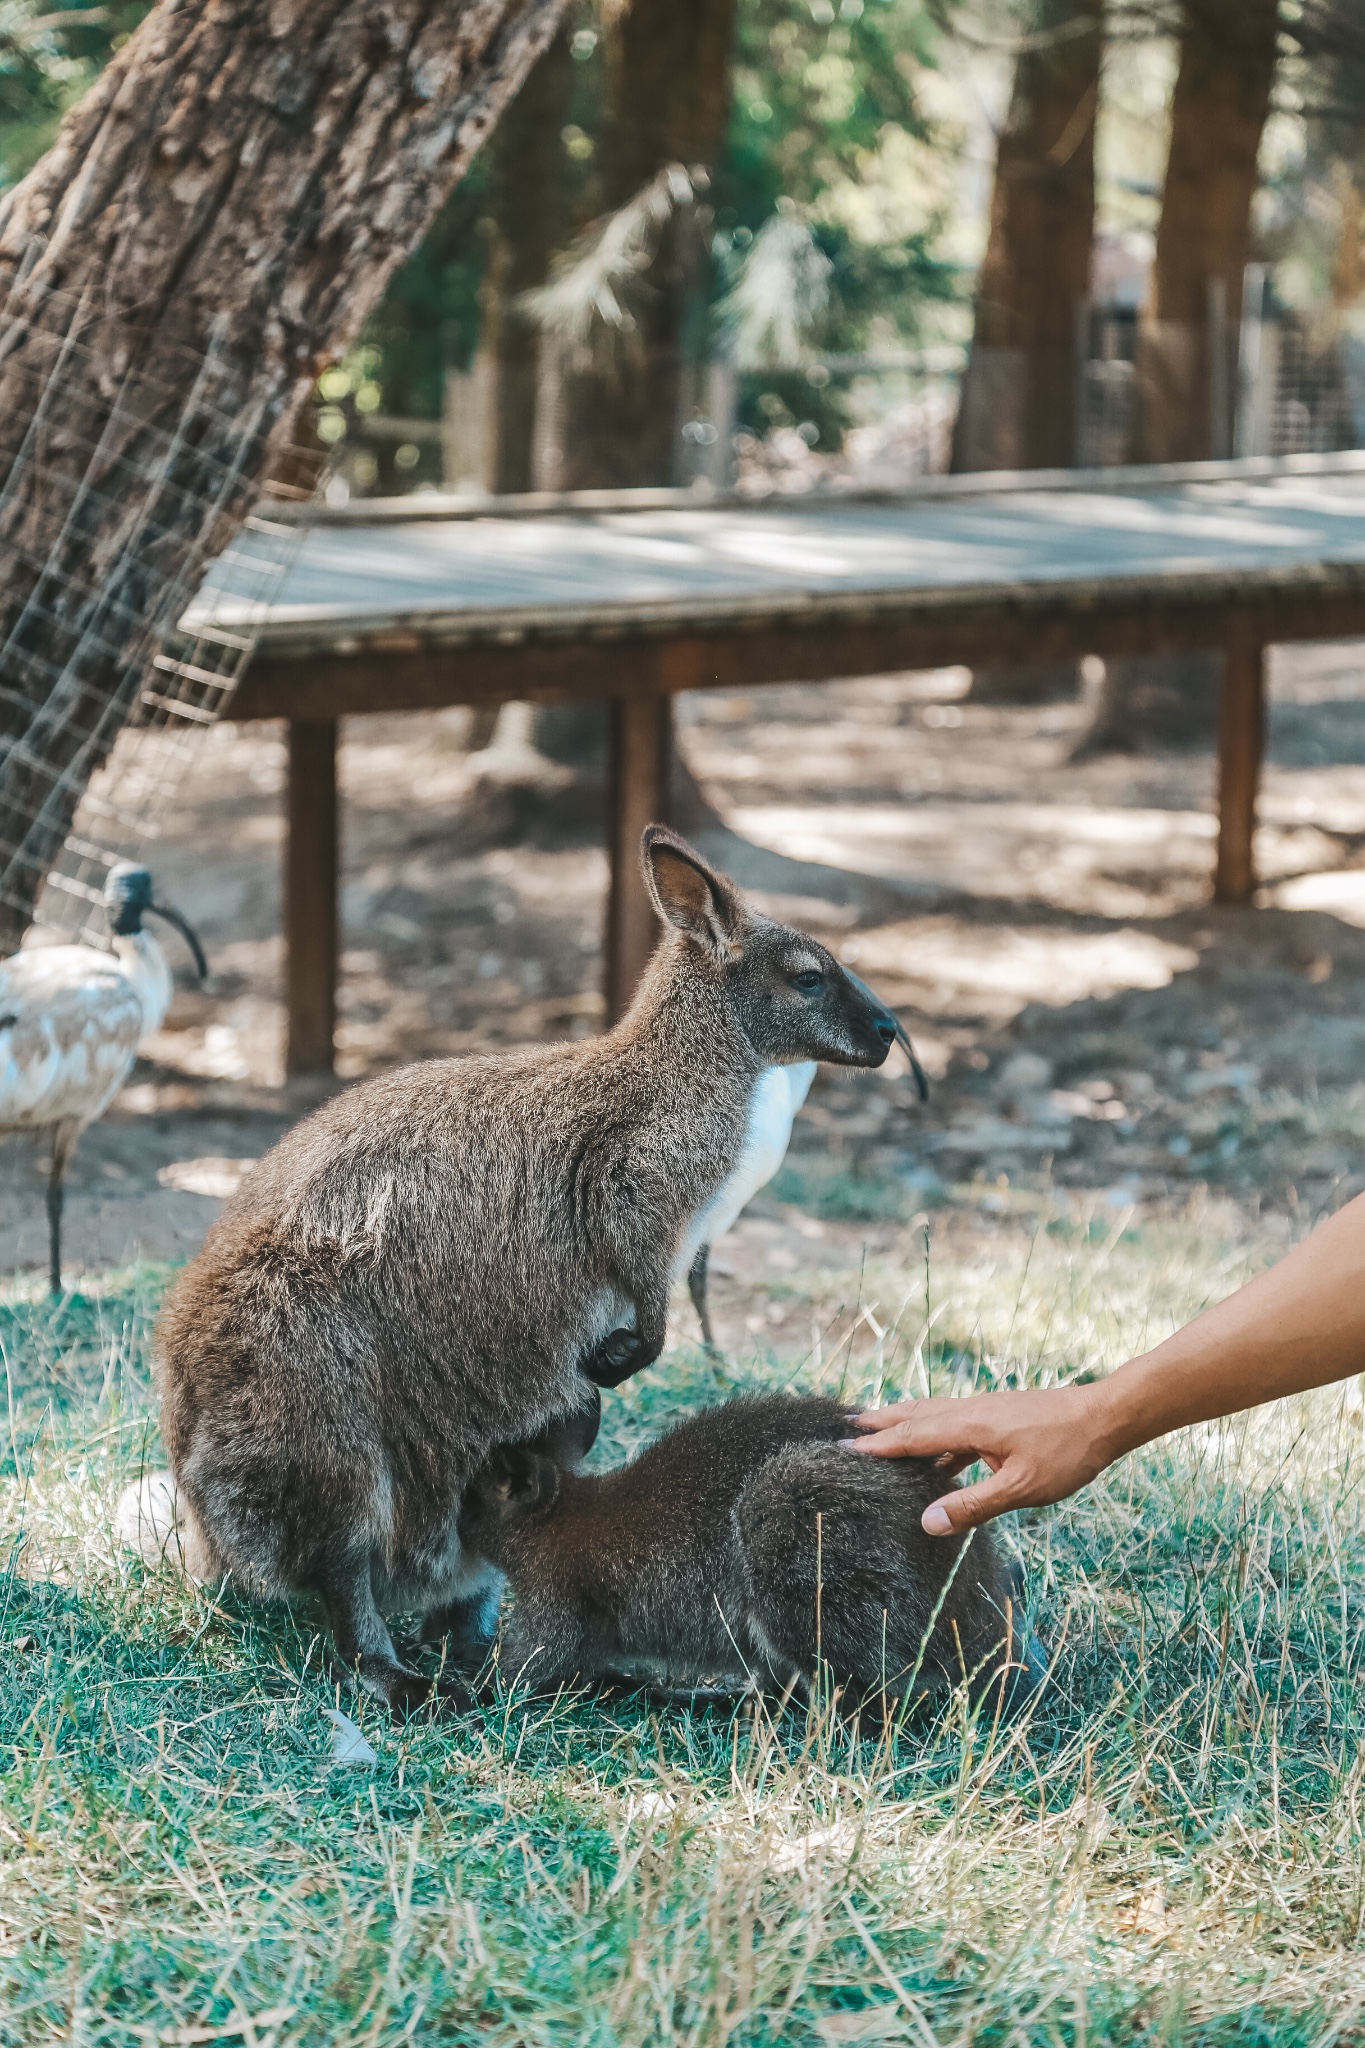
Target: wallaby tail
column 149, row 1520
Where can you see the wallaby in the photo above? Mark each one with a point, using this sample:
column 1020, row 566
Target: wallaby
column 440, row 1260
column 747, row 1538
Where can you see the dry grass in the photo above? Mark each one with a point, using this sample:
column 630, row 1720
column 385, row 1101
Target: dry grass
column 1169, row 1848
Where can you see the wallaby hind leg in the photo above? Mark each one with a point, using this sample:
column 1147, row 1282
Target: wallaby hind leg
column 840, row 1568
column 365, row 1647
column 697, row 1286
column 825, row 1557
column 468, row 1628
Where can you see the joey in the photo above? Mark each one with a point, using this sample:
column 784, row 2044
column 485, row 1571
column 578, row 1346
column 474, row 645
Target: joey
column 748, row 1539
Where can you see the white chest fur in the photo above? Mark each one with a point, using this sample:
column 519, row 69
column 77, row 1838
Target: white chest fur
column 778, row 1094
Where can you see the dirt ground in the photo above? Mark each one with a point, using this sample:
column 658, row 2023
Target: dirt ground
column 1092, row 1025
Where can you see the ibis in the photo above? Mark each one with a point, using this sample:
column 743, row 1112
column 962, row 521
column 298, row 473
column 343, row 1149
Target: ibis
column 71, row 1018
column 773, row 1107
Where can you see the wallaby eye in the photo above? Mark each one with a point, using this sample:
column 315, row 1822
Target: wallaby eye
column 808, row 982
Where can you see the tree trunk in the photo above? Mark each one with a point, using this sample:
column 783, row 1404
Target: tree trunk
column 669, row 99
column 214, row 222
column 1187, row 354
column 1187, row 346
column 1018, row 396
column 528, row 208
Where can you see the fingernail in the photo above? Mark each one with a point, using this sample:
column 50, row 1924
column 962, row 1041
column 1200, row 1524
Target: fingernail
column 850, row 1443
column 935, row 1522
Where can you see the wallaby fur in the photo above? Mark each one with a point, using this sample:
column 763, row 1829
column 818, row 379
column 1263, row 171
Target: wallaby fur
column 440, row 1260
column 747, row 1538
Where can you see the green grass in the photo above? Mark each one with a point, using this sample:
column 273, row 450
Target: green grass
column 1169, row 1850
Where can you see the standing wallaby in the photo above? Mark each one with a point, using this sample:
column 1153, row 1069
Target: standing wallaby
column 748, row 1538
column 431, row 1264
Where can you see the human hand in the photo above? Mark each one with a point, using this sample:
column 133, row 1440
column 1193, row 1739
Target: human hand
column 1041, row 1445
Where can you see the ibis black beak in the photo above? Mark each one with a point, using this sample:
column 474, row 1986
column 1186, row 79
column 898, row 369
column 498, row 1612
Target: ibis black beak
column 902, row 1035
column 187, row 933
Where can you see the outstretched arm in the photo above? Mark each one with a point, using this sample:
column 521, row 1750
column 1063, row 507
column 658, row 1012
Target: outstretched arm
column 1300, row 1325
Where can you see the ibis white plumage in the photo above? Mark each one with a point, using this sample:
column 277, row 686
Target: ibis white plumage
column 71, row 1019
column 778, row 1095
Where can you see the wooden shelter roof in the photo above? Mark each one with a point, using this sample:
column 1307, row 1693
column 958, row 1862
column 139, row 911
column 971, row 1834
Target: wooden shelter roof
column 435, row 571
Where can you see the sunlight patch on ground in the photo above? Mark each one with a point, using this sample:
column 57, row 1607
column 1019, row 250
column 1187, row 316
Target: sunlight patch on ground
column 1018, row 963
column 1341, row 892
column 1119, row 863
column 213, row 1175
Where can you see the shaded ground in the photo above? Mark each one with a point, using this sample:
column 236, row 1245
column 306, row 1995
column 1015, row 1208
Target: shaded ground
column 1091, row 1022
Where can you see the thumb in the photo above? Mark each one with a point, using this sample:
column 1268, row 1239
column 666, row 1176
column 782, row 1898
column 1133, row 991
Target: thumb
column 966, row 1507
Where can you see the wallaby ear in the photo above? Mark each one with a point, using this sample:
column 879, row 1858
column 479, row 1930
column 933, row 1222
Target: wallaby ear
column 524, row 1479
column 689, row 893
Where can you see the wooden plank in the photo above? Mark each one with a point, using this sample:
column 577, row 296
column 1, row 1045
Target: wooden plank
column 310, row 896
column 427, row 675
column 641, row 763
column 441, row 507
column 1241, row 748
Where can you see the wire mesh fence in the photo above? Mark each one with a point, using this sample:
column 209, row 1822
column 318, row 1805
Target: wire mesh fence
column 120, row 651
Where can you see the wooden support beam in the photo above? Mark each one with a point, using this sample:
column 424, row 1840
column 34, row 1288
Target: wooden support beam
column 310, row 896
column 820, row 642
column 641, row 764
column 1241, row 746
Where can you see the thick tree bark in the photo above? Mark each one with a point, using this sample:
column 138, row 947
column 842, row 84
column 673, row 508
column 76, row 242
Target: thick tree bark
column 669, row 98
column 1018, row 402
column 212, row 225
column 1188, row 349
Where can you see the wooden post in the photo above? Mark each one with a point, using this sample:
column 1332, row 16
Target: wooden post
column 641, row 760
column 1241, row 744
column 310, row 896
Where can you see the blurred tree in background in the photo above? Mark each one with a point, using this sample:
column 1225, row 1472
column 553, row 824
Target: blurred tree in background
column 829, row 226
column 1188, row 357
column 803, row 116
column 618, row 385
column 827, row 136
column 1018, row 406
column 49, row 54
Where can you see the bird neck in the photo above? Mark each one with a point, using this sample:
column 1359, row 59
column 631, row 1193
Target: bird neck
column 144, row 963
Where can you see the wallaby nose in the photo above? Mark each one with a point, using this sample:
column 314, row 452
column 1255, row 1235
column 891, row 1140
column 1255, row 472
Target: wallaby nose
column 885, row 1028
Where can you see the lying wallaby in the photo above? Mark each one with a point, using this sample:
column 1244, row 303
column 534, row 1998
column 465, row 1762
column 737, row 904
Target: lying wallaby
column 747, row 1537
column 430, row 1265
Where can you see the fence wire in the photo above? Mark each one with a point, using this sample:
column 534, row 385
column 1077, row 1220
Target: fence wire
column 118, row 668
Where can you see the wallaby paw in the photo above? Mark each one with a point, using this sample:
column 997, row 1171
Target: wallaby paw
column 406, row 1692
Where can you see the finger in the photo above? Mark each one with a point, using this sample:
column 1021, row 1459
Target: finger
column 905, row 1411
column 967, row 1507
column 922, row 1438
column 883, row 1418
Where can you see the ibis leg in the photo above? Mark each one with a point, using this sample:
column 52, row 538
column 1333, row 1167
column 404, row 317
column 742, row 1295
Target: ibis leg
column 697, row 1287
column 63, row 1145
